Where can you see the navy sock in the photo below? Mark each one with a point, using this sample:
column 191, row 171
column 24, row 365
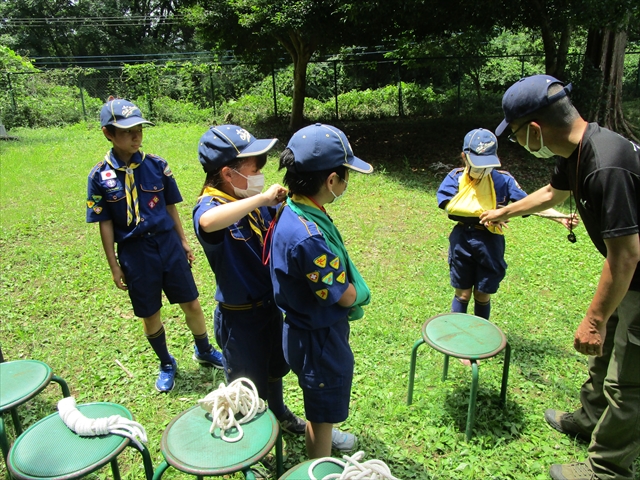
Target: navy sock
column 202, row 342
column 458, row 305
column 274, row 397
column 482, row 309
column 158, row 342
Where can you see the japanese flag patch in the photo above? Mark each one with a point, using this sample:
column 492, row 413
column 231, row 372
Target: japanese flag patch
column 107, row 174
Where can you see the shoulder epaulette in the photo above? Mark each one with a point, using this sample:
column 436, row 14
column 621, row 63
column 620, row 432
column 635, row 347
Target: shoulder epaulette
column 96, row 167
column 311, row 227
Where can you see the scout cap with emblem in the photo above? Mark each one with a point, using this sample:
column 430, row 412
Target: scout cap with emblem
column 121, row 114
column 529, row 95
column 480, row 147
column 322, row 147
column 222, row 144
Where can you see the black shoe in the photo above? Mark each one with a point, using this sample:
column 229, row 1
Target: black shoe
column 291, row 423
column 565, row 423
column 572, row 471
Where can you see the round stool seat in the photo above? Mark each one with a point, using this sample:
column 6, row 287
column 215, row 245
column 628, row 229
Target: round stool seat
column 20, row 380
column 462, row 335
column 188, row 446
column 301, row 471
column 49, row 449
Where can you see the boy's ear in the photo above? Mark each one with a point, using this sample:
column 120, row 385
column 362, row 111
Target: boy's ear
column 225, row 174
column 106, row 133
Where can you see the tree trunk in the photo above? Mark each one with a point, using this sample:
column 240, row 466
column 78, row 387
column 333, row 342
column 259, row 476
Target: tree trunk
column 603, row 69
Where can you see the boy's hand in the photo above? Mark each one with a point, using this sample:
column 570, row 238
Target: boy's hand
column 274, row 195
column 118, row 278
column 187, row 249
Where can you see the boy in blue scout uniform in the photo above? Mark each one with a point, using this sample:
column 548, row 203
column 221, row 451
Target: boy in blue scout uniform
column 315, row 282
column 231, row 218
column 476, row 252
column 133, row 195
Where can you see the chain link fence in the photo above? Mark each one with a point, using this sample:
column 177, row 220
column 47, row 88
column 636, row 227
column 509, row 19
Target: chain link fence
column 336, row 89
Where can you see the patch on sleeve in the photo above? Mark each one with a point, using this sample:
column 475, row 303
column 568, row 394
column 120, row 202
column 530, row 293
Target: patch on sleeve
column 342, row 277
column 167, row 171
column 313, row 276
column 107, row 174
column 98, row 210
column 96, row 198
column 321, row 261
column 323, row 294
column 335, row 263
column 328, row 279
column 90, row 203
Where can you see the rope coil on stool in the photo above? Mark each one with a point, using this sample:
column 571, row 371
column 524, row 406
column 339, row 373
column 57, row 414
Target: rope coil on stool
column 92, row 427
column 240, row 396
column 354, row 470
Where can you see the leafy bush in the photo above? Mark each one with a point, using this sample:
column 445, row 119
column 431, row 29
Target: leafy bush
column 168, row 110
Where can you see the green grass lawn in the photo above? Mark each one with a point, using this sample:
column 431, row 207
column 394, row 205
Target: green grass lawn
column 59, row 305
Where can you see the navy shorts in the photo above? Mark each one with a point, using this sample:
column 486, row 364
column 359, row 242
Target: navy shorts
column 323, row 361
column 251, row 344
column 153, row 264
column 476, row 259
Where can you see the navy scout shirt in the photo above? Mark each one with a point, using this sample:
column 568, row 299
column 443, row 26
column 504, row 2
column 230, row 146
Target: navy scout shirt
column 106, row 199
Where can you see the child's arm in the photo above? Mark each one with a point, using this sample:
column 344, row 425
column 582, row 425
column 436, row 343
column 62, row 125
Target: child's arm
column 177, row 225
column 229, row 213
column 108, row 244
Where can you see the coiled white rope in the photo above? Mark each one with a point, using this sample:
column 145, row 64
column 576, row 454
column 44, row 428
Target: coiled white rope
column 92, row 427
column 354, row 470
column 240, row 396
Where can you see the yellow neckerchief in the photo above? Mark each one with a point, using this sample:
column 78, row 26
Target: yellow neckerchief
column 130, row 187
column 475, row 195
column 256, row 221
column 304, row 200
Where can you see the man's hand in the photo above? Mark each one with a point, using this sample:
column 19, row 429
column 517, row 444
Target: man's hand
column 589, row 337
column 118, row 278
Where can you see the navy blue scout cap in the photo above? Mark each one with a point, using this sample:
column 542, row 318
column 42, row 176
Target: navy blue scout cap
column 528, row 95
column 121, row 114
column 322, row 147
column 480, row 146
column 222, row 144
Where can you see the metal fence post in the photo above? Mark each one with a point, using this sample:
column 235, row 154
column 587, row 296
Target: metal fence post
column 400, row 106
column 275, row 95
column 13, row 97
column 638, row 76
column 458, row 106
column 84, row 110
column 335, row 85
column 522, row 66
column 213, row 97
column 149, row 101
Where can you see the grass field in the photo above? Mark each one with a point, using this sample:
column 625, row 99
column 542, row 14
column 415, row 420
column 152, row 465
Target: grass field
column 58, row 304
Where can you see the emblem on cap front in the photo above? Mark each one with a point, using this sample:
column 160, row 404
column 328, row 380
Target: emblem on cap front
column 482, row 147
column 243, row 134
column 128, row 110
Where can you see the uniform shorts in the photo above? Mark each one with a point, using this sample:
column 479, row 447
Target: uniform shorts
column 323, row 361
column 251, row 344
column 476, row 259
column 152, row 264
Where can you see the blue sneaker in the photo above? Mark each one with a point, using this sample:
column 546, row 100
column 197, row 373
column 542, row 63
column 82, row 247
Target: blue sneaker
column 343, row 441
column 167, row 376
column 212, row 357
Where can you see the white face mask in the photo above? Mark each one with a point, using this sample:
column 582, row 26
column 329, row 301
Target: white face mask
column 255, row 184
column 544, row 151
column 336, row 197
column 479, row 172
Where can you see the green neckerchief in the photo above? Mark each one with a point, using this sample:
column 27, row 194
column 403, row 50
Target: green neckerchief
column 336, row 245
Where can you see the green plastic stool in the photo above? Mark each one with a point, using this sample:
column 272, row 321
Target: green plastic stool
column 49, row 450
column 463, row 336
column 188, row 446
column 20, row 381
column 301, row 471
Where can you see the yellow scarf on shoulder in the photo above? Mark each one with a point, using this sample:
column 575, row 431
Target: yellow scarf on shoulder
column 256, row 221
column 474, row 197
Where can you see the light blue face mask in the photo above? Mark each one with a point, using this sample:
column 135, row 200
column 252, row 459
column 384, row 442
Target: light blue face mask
column 544, row 151
column 336, row 197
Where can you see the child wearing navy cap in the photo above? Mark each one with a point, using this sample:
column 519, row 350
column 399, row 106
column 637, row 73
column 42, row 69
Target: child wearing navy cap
column 133, row 195
column 315, row 282
column 476, row 252
column 231, row 219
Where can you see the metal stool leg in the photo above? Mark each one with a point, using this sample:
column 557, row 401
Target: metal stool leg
column 412, row 369
column 279, row 461
column 146, row 460
column 4, row 443
column 445, row 368
column 505, row 375
column 63, row 385
column 471, row 417
column 115, row 469
column 157, row 475
column 16, row 421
